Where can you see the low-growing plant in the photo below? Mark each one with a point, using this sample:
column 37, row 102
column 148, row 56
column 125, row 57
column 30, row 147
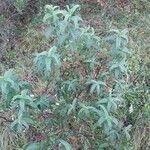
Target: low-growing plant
column 80, row 107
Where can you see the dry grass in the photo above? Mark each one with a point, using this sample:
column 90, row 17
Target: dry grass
column 7, row 139
column 141, row 135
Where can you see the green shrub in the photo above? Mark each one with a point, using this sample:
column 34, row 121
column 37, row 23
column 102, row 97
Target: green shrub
column 81, row 105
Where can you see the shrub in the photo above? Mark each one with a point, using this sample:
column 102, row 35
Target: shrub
column 81, row 105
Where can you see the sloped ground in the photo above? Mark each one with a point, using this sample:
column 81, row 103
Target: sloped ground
column 22, row 35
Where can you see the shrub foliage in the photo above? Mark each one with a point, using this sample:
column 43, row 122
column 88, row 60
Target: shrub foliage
column 84, row 96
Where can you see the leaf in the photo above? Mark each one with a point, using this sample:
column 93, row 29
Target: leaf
column 101, row 121
column 118, row 42
column 14, row 123
column 61, row 12
column 93, row 87
column 114, row 66
column 124, row 34
column 29, row 120
column 52, row 50
column 72, row 107
column 109, row 121
column 98, row 89
column 22, row 105
column 25, row 85
column 104, row 110
column 56, row 60
column 32, row 146
column 42, row 54
column 84, row 109
column 127, row 130
column 43, row 102
column 103, row 145
column 114, row 120
column 24, row 124
column 67, row 16
column 66, row 145
column 76, row 20
column 46, row 17
column 101, row 83
column 126, row 50
column 49, row 32
column 73, row 9
column 115, row 31
column 45, row 61
column 48, row 64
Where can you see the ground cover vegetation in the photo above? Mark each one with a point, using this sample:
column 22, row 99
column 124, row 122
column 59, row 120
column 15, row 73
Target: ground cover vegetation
column 74, row 75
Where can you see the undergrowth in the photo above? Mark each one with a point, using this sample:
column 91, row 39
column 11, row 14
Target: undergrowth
column 83, row 88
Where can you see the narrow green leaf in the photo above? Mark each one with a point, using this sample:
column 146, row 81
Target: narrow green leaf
column 66, row 145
